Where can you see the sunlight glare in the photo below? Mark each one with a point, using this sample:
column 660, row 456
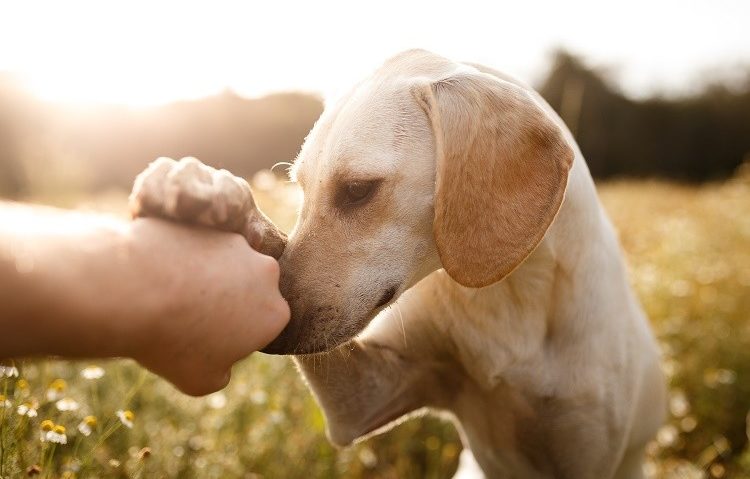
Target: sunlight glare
column 143, row 53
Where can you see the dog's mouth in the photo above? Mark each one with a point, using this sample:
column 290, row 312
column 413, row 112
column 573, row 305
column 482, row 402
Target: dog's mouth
column 293, row 339
column 284, row 343
column 288, row 344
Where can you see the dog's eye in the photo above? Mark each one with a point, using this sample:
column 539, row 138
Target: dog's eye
column 355, row 193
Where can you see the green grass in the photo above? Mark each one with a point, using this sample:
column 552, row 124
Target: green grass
column 688, row 250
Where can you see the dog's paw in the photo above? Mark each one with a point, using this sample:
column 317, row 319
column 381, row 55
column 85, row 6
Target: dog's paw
column 189, row 191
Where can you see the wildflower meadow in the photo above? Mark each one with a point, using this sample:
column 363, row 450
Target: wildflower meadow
column 688, row 253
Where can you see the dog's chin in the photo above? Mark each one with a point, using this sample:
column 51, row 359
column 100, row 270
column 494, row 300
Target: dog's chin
column 295, row 340
column 282, row 347
column 286, row 342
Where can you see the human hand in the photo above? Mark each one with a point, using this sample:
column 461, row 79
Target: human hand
column 214, row 301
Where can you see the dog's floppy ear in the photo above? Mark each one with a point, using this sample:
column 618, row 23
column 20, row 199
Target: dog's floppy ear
column 502, row 169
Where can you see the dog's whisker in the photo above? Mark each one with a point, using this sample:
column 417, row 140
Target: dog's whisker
column 282, row 163
column 327, row 363
column 401, row 320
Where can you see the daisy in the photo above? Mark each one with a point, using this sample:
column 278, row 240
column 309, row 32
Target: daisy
column 92, row 372
column 57, row 435
column 46, row 427
column 217, row 400
column 258, row 397
column 4, row 401
column 27, row 409
column 87, row 425
column 9, row 371
column 67, row 404
column 126, row 418
column 55, row 389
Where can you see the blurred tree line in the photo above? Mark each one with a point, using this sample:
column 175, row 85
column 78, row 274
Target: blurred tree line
column 699, row 137
column 45, row 146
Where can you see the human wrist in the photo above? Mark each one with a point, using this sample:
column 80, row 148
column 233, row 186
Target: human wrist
column 146, row 294
column 92, row 287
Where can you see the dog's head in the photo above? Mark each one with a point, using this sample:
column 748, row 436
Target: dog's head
column 426, row 164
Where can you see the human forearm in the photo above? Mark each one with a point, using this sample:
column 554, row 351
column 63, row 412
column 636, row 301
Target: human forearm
column 62, row 284
column 185, row 302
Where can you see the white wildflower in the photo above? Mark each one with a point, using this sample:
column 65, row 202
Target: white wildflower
column 9, row 371
column 52, row 433
column 57, row 435
column 27, row 409
column 126, row 418
column 92, row 372
column 56, row 389
column 67, row 404
column 87, row 425
column 258, row 397
column 217, row 400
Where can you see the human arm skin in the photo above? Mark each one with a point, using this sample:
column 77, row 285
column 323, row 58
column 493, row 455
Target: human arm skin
column 185, row 302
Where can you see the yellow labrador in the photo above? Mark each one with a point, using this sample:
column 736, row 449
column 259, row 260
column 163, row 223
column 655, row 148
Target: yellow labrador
column 456, row 194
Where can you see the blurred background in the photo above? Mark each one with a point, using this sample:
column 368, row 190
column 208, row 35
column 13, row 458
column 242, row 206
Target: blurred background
column 656, row 93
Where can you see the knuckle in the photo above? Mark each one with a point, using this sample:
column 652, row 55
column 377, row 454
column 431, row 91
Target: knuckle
column 163, row 161
column 270, row 268
column 282, row 309
column 147, row 197
column 188, row 205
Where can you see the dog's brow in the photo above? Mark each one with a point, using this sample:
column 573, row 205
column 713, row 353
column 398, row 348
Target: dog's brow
column 347, row 174
column 363, row 165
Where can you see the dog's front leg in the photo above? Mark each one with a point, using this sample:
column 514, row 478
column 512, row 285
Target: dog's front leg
column 361, row 387
column 368, row 383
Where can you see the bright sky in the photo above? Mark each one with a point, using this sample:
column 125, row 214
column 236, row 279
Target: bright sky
column 147, row 52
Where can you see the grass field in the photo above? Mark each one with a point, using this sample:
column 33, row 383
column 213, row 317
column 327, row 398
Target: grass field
column 688, row 250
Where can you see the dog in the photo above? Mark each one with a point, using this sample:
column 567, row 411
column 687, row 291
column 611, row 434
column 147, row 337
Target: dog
column 451, row 254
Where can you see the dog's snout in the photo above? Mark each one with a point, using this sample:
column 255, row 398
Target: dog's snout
column 323, row 312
